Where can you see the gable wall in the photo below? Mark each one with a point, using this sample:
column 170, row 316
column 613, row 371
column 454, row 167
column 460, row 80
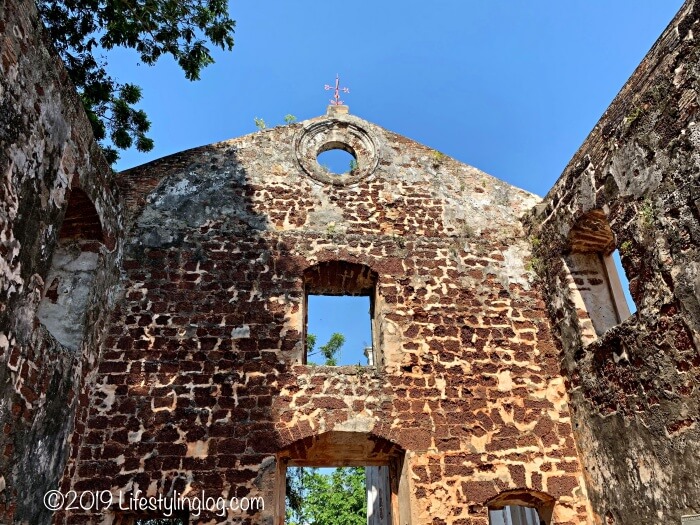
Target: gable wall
column 201, row 387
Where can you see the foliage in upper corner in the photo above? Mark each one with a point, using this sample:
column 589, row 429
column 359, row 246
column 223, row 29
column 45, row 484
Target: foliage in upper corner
column 82, row 29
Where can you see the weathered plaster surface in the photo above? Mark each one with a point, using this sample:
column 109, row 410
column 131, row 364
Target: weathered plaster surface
column 71, row 280
column 634, row 389
column 46, row 148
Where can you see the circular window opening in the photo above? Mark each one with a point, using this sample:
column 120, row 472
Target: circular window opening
column 337, row 161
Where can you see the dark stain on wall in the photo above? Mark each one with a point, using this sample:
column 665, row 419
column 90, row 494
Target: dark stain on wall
column 634, row 390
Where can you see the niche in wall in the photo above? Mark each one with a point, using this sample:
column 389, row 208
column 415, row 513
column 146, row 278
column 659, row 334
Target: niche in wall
column 70, row 279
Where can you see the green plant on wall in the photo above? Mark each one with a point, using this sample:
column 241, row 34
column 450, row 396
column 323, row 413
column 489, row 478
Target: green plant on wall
column 646, row 213
column 399, row 240
column 289, row 119
column 535, row 265
column 259, row 123
column 438, row 157
column 634, row 115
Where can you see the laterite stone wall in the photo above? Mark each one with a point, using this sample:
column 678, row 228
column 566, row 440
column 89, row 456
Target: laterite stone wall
column 47, row 156
column 201, row 386
column 634, row 186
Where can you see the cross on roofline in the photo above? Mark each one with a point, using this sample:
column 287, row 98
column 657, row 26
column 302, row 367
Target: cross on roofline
column 335, row 101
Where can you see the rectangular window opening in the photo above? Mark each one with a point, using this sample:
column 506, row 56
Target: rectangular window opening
column 600, row 291
column 624, row 285
column 514, row 515
column 339, row 330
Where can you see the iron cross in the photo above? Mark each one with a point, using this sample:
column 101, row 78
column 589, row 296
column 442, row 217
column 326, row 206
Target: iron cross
column 335, row 101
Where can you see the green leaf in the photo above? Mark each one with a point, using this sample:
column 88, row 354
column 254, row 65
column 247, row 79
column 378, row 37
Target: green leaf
column 310, row 343
column 152, row 28
column 130, row 93
column 121, row 138
column 144, row 143
column 320, row 499
column 330, row 351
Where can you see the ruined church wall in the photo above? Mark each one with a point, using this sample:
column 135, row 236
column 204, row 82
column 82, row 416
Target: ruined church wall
column 634, row 389
column 46, row 148
column 201, row 387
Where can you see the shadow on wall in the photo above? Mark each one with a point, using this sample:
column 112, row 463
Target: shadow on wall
column 195, row 349
column 48, row 365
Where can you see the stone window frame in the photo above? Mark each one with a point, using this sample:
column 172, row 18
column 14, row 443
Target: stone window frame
column 349, row 449
column 343, row 278
column 344, row 132
column 542, row 502
column 589, row 262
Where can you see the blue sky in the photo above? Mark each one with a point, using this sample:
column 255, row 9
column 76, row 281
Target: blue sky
column 510, row 87
column 346, row 315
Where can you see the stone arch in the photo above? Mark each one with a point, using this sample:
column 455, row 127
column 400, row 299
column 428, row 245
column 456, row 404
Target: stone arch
column 591, row 233
column 81, row 221
column 594, row 284
column 74, row 263
column 542, row 502
column 341, row 448
column 339, row 277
